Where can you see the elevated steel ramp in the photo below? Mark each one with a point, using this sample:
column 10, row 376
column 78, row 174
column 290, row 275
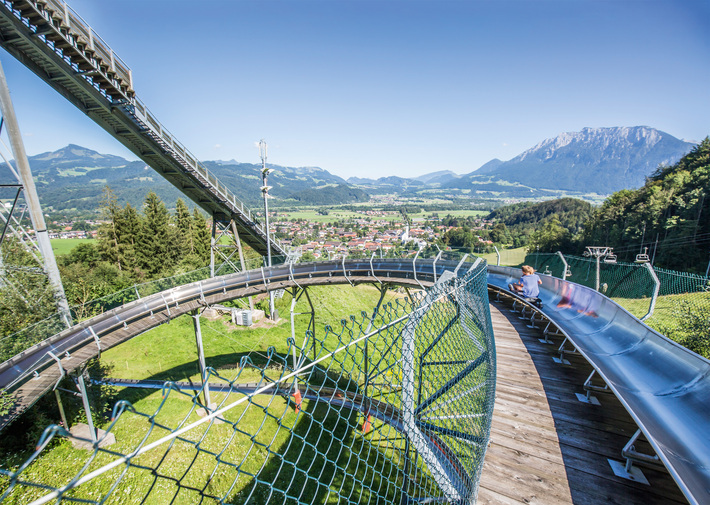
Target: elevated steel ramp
column 664, row 387
column 55, row 43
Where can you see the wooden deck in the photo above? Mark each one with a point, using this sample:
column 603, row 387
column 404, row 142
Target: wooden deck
column 547, row 447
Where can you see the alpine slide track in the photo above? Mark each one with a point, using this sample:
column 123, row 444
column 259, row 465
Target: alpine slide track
column 585, row 394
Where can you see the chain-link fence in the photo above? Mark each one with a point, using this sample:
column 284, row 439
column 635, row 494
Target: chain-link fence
column 383, row 408
column 680, row 310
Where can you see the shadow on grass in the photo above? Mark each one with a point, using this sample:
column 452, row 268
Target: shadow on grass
column 324, row 456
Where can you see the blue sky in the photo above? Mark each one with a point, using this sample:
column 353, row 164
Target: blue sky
column 390, row 87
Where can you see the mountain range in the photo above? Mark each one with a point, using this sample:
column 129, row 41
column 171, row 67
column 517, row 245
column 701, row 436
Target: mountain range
column 594, row 160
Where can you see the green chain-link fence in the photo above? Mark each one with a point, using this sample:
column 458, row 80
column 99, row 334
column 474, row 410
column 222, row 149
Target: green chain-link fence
column 681, row 311
column 384, row 408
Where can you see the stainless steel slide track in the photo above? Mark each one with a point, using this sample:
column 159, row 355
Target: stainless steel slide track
column 55, row 43
column 664, row 387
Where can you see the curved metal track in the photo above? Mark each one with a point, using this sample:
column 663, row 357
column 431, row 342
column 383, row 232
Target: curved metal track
column 37, row 370
column 664, row 387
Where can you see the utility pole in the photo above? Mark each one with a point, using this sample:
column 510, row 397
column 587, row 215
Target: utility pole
column 597, row 252
column 30, row 192
column 263, row 151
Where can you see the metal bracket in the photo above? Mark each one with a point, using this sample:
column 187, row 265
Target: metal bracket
column 372, row 269
column 96, row 338
column 631, row 455
column 346, row 274
column 414, row 268
column 61, row 369
column 290, row 274
column 202, row 292
column 545, row 333
column 656, row 288
column 515, row 302
column 456, row 270
column 263, row 276
column 435, row 260
column 562, row 360
column 589, row 387
column 532, row 320
column 166, row 305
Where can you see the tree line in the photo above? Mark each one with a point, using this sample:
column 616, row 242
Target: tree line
column 132, row 246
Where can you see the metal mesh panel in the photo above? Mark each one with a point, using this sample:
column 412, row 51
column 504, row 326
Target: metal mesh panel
column 382, row 408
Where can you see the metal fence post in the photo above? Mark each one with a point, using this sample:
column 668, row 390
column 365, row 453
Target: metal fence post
column 87, row 407
column 656, row 289
column 564, row 262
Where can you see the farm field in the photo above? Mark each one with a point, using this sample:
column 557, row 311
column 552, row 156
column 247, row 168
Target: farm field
column 312, row 215
column 65, row 245
column 508, row 257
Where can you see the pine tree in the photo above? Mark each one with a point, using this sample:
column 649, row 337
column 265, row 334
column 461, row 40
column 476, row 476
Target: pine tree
column 108, row 239
column 129, row 231
column 185, row 232
column 201, row 237
column 156, row 251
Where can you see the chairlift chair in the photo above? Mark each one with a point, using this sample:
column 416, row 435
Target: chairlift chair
column 610, row 258
column 643, row 257
column 547, row 271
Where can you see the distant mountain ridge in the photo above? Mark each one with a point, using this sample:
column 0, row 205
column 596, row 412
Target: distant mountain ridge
column 593, row 160
column 73, row 178
column 600, row 160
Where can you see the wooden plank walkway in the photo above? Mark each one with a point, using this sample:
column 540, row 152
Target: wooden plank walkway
column 548, row 448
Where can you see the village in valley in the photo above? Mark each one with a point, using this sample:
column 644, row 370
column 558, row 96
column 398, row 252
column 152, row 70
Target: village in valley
column 347, row 233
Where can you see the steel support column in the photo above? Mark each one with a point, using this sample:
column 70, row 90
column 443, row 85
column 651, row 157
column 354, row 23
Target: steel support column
column 32, row 199
column 87, row 408
column 61, row 409
column 201, row 357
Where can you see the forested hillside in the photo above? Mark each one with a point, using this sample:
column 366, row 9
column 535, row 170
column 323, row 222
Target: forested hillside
column 571, row 213
column 544, row 226
column 330, row 195
column 673, row 207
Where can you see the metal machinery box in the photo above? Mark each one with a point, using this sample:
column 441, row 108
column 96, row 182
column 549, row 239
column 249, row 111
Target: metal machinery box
column 242, row 317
